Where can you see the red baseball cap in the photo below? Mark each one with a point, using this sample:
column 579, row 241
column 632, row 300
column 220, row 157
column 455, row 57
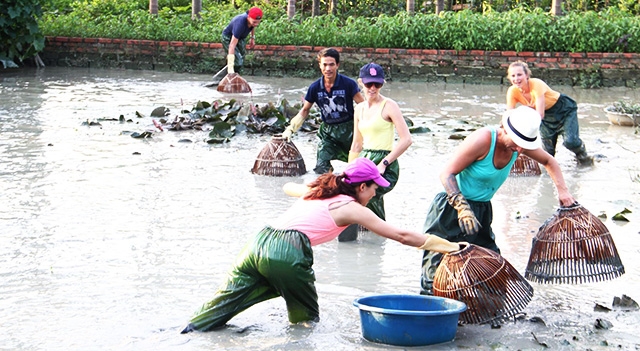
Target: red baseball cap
column 255, row 13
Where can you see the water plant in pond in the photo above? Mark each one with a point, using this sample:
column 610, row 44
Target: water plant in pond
column 622, row 106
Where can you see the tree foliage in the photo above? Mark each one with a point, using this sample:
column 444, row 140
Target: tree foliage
column 20, row 36
column 520, row 25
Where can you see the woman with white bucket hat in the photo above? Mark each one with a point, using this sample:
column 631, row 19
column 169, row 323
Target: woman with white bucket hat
column 478, row 168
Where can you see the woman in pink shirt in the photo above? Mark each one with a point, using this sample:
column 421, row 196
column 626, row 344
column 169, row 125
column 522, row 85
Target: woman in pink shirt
column 278, row 260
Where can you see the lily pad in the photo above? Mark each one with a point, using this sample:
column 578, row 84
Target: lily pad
column 620, row 215
column 160, row 111
column 222, row 130
column 217, row 140
column 142, row 135
column 418, row 130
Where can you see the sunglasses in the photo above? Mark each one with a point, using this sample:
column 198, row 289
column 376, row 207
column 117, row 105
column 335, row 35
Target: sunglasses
column 369, row 85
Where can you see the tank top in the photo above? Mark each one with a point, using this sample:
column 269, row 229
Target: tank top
column 312, row 218
column 377, row 134
column 535, row 85
column 481, row 179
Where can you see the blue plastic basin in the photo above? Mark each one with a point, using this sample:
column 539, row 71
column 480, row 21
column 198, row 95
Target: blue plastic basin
column 409, row 320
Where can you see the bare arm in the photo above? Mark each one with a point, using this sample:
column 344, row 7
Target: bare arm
column 511, row 99
column 538, row 92
column 391, row 112
column 232, row 45
column 356, row 144
column 358, row 98
column 304, row 111
column 353, row 212
column 252, row 36
column 553, row 168
column 474, row 147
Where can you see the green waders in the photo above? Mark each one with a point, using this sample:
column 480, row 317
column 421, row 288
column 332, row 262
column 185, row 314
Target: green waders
column 376, row 204
column 335, row 143
column 442, row 221
column 391, row 174
column 275, row 263
column 562, row 119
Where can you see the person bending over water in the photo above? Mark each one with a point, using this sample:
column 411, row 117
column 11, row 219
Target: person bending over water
column 278, row 260
column 559, row 112
column 478, row 168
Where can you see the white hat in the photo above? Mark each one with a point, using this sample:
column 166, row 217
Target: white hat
column 522, row 124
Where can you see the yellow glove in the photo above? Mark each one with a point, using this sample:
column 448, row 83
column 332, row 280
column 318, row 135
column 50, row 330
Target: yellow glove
column 294, row 124
column 231, row 59
column 466, row 218
column 437, row 244
column 353, row 155
column 295, row 189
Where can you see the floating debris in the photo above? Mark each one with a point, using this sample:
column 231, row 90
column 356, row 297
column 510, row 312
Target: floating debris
column 91, row 123
column 625, row 303
column 142, row 135
column 602, row 324
column 600, row 308
column 544, row 344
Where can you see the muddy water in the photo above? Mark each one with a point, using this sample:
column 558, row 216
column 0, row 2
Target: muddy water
column 111, row 242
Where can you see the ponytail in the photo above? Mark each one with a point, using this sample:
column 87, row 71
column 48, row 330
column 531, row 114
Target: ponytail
column 329, row 185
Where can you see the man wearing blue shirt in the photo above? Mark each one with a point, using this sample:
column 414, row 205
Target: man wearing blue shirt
column 235, row 34
column 334, row 94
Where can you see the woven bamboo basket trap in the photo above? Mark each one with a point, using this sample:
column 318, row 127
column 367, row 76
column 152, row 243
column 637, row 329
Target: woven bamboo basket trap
column 234, row 84
column 279, row 158
column 573, row 246
column 490, row 286
column 525, row 166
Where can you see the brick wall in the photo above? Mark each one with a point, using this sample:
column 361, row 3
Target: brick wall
column 469, row 66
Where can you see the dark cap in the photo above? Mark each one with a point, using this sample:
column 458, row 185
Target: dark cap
column 372, row 73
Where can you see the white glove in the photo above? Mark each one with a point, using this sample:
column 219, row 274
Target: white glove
column 437, row 244
column 231, row 59
column 294, row 125
column 287, row 134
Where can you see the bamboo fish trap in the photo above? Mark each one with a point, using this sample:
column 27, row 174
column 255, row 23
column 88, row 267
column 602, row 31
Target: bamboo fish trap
column 279, row 158
column 233, row 83
column 490, row 286
column 573, row 246
column 525, row 166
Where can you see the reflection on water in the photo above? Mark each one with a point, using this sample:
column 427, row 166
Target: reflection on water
column 110, row 242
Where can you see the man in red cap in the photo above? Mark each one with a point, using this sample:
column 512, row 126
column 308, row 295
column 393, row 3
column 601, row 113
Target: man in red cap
column 235, row 34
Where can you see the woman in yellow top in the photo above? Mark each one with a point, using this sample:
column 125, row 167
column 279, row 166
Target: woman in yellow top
column 375, row 122
column 559, row 112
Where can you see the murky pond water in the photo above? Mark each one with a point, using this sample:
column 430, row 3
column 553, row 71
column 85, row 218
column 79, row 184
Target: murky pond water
column 111, row 242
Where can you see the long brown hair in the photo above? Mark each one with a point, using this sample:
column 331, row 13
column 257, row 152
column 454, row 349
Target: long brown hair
column 329, row 185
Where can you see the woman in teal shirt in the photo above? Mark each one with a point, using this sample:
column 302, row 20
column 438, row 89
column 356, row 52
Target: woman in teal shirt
column 478, row 168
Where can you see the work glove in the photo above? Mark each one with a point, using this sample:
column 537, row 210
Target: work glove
column 353, row 155
column 231, row 59
column 466, row 218
column 294, row 125
column 437, row 244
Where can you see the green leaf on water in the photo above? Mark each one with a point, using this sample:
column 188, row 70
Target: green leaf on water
column 620, row 215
